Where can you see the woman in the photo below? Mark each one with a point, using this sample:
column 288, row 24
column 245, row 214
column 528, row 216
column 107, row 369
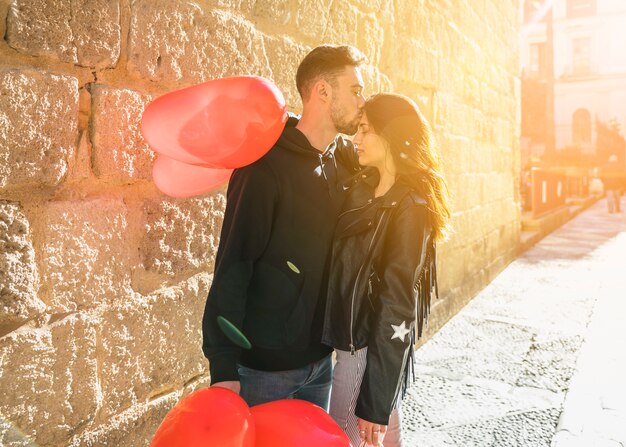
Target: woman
column 383, row 267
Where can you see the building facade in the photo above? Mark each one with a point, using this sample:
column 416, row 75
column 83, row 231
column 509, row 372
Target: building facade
column 576, row 48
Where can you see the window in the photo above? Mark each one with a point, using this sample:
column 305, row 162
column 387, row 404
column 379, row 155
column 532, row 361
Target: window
column 581, row 57
column 581, row 127
column 538, row 60
column 581, row 8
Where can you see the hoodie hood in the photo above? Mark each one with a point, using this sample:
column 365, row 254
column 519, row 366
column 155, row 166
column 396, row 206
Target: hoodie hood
column 294, row 140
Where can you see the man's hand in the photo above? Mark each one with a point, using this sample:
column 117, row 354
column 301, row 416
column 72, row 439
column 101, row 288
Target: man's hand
column 371, row 433
column 229, row 385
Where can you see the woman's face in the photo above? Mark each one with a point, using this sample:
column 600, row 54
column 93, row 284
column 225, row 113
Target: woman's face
column 371, row 148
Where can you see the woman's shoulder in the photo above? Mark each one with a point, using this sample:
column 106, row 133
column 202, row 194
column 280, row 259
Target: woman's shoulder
column 414, row 207
column 416, row 198
column 411, row 198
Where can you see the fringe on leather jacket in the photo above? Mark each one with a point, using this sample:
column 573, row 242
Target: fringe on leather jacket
column 382, row 276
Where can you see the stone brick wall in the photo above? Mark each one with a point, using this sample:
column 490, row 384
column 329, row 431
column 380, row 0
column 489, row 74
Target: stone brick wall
column 102, row 278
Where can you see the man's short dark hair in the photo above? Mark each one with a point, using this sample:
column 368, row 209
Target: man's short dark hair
column 325, row 61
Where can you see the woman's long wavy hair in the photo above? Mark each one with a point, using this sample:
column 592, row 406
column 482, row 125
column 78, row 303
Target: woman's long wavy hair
column 398, row 120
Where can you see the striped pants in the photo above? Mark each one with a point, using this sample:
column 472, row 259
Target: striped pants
column 347, row 377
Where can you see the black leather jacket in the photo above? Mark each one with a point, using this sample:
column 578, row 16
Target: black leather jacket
column 383, row 269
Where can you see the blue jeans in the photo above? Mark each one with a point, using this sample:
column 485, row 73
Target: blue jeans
column 311, row 382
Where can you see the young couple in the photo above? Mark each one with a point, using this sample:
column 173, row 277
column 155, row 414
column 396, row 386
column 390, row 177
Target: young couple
column 330, row 244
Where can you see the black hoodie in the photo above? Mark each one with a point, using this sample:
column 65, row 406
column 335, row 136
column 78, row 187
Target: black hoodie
column 272, row 261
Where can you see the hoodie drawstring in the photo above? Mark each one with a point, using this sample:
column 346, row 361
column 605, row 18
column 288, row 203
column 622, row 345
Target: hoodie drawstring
column 322, row 158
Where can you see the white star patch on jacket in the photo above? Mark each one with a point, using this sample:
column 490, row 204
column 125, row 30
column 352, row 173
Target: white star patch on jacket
column 400, row 331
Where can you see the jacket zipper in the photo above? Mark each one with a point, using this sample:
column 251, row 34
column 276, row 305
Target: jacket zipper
column 358, row 275
column 355, row 209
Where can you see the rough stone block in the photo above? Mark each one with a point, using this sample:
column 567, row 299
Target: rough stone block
column 242, row 6
column 19, row 278
column 134, row 427
column 453, row 151
column 383, row 7
column 34, row 147
column 411, row 20
column 443, row 105
column 83, row 32
column 12, row 436
column 202, row 381
column 48, row 378
column 479, row 223
column 119, row 149
column 486, row 158
column 276, row 12
column 341, row 25
column 453, row 268
column 370, row 37
column 471, row 91
column 151, row 345
column 372, row 80
column 312, row 17
column 465, row 190
column 182, row 235
column 85, row 257
column 185, row 43
column 283, row 53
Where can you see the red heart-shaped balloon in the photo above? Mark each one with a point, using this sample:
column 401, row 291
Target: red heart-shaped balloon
column 223, row 123
column 178, row 179
column 209, row 417
column 296, row 423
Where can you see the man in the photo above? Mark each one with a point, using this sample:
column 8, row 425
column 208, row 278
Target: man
column 271, row 266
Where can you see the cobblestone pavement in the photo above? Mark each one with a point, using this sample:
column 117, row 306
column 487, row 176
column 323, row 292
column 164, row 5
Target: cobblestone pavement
column 538, row 358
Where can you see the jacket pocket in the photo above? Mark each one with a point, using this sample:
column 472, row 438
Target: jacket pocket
column 272, row 296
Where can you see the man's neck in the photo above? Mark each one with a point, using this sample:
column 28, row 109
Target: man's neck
column 318, row 130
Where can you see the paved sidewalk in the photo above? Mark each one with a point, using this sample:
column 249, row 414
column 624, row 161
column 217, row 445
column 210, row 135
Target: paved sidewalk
column 538, row 358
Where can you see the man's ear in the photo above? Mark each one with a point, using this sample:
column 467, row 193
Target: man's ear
column 323, row 90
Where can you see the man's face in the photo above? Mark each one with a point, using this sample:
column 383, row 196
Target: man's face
column 346, row 105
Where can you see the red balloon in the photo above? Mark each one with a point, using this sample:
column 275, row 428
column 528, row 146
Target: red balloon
column 223, row 123
column 209, row 417
column 296, row 423
column 178, row 179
